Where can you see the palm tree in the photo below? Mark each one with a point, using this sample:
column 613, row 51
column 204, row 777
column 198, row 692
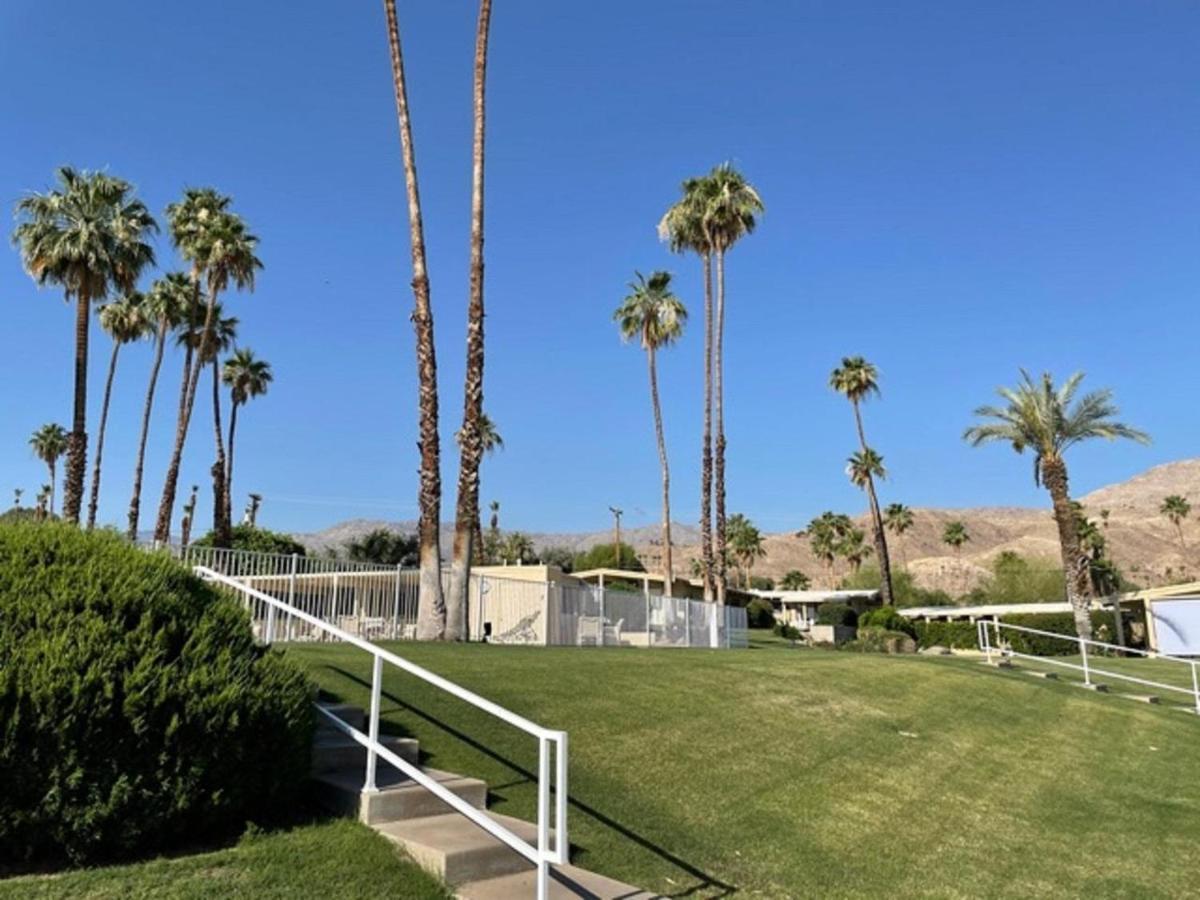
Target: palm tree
column 207, row 343
column 44, row 499
column 1048, row 421
column 898, row 518
column 17, row 492
column 794, row 580
column 825, row 533
column 252, row 507
column 655, row 317
column 49, row 443
column 165, row 306
column 517, row 548
column 854, row 549
column 466, row 514
column 189, row 516
column 955, row 535
column 729, row 216
column 856, row 379
column 682, row 227
column 431, row 607
column 489, row 441
column 247, row 377
column 1176, row 509
column 493, row 539
column 125, row 321
column 88, row 236
column 746, row 544
column 221, row 251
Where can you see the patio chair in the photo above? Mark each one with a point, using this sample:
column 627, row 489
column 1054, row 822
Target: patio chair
column 589, row 628
column 612, row 633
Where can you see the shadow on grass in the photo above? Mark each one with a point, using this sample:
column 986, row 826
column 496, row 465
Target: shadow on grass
column 528, row 777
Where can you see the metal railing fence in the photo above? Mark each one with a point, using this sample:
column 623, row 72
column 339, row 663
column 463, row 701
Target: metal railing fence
column 541, row 855
column 990, row 635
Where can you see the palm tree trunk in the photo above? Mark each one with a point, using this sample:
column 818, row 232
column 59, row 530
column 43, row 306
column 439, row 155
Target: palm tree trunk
column 881, row 548
column 1075, row 568
column 719, row 403
column 471, row 452
column 135, row 502
column 221, row 524
column 431, row 608
column 706, row 457
column 166, row 506
column 668, row 565
column 94, row 498
column 53, row 466
column 77, row 443
column 233, row 414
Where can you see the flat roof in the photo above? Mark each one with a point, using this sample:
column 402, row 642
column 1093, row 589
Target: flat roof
column 809, row 597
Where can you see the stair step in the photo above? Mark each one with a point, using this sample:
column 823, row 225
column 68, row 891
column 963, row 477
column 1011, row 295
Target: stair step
column 352, row 715
column 565, row 882
column 457, row 850
column 398, row 796
column 334, row 750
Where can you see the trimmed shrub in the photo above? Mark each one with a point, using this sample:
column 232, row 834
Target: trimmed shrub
column 887, row 618
column 787, row 632
column 957, row 635
column 760, row 613
column 881, row 640
column 836, row 614
column 1059, row 623
column 258, row 540
column 137, row 712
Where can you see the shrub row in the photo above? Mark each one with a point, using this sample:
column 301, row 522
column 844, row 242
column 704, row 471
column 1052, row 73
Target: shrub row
column 836, row 614
column 136, row 712
column 963, row 635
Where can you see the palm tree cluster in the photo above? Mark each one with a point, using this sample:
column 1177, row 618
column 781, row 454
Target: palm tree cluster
column 1176, row 508
column 832, row 536
column 89, row 235
column 714, row 213
column 745, row 545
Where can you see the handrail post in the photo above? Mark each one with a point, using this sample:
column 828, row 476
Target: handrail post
column 1196, row 687
column 543, row 817
column 373, row 723
column 291, row 628
column 269, row 629
column 603, row 618
column 396, row 606
column 1087, row 676
column 562, row 843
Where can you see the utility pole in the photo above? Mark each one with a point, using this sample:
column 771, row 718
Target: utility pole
column 617, row 513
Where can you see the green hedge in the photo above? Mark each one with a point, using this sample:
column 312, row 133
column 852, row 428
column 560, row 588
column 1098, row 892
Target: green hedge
column 136, row 712
column 887, row 618
column 760, row 614
column 957, row 635
column 964, row 636
column 836, row 614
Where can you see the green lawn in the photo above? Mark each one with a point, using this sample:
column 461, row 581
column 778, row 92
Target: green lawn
column 324, row 861
column 1103, row 669
column 781, row 772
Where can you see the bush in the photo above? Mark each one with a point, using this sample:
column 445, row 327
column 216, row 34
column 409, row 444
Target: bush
column 760, row 613
column 787, row 632
column 258, row 540
column 1058, row 623
column 881, row 640
column 887, row 618
column 836, row 614
column 957, row 635
column 138, row 714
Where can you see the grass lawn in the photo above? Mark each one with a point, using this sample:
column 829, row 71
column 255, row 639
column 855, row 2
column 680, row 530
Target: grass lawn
column 333, row 859
column 1104, row 668
column 780, row 772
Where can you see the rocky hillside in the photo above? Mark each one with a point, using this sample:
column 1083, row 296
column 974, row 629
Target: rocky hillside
column 1143, row 543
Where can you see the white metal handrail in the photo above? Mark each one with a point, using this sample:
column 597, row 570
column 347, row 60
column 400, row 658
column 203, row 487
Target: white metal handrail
column 543, row 854
column 986, row 629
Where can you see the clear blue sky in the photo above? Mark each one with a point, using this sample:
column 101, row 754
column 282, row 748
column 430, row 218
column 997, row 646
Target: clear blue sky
column 953, row 190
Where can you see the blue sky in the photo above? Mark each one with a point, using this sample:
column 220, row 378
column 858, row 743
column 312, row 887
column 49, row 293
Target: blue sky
column 953, row 190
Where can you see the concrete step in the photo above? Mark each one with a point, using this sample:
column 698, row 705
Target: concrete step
column 565, row 882
column 457, row 850
column 1049, row 676
column 398, row 796
column 354, row 716
column 333, row 750
column 1096, row 686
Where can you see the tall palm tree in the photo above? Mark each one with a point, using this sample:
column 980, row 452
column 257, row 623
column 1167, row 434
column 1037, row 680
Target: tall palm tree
column 729, row 216
column 1049, row 420
column 247, row 377
column 655, row 317
column 221, row 251
column 825, row 533
column 43, row 500
column 853, row 548
column 431, row 607
column 682, row 227
column 898, row 518
column 1176, row 509
column 489, row 441
column 49, row 443
column 189, row 516
column 166, row 304
column 954, row 535
column 466, row 513
column 125, row 321
column 17, row 492
column 88, row 236
column 856, row 379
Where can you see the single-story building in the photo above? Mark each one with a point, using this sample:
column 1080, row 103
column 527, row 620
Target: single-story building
column 799, row 608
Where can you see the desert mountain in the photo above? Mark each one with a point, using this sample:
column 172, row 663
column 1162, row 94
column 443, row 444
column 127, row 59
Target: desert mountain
column 1142, row 542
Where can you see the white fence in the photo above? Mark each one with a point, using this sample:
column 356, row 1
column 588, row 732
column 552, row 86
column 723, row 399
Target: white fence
column 552, row 745
column 379, row 602
column 1094, row 657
